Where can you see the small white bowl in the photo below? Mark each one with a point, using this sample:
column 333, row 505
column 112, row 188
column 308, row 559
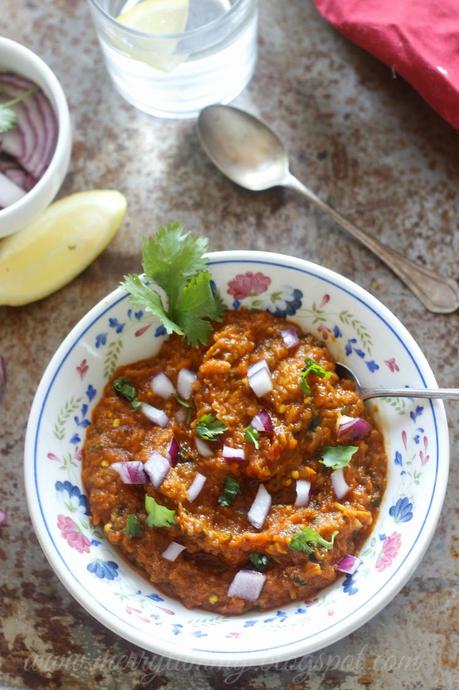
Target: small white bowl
column 359, row 331
column 19, row 59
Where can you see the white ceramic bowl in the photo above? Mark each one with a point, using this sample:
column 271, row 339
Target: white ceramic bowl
column 19, row 59
column 359, row 330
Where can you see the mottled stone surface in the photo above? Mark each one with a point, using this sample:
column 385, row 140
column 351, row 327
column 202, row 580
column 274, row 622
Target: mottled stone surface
column 365, row 141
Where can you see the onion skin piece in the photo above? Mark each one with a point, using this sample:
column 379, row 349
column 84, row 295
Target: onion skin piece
column 348, row 564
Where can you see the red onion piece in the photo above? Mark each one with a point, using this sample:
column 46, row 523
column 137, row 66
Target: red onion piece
column 263, row 422
column 162, row 386
column 352, row 427
column 9, row 191
column 340, row 487
column 173, row 450
column 2, row 375
column 230, row 453
column 247, row 585
column 203, row 449
column 260, row 382
column 185, row 381
column 348, row 564
column 173, row 551
column 261, row 364
column 156, row 416
column 196, row 486
column 131, row 471
column 290, row 338
column 303, row 488
column 157, row 467
column 259, row 508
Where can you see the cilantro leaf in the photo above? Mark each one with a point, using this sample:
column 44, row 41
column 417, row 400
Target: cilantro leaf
column 302, row 540
column 209, row 428
column 127, row 391
column 158, row 515
column 312, row 367
column 252, row 435
column 144, row 297
column 259, row 560
column 197, row 304
column 7, row 118
column 229, row 492
column 133, row 526
column 337, row 457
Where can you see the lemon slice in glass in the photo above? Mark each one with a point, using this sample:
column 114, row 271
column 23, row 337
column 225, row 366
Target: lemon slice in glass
column 155, row 17
column 58, row 245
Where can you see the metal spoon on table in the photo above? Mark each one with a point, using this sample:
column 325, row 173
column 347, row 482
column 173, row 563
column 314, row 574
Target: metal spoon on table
column 250, row 154
column 344, row 372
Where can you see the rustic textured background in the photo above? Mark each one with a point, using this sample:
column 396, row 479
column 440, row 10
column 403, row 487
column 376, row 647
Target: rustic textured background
column 366, row 142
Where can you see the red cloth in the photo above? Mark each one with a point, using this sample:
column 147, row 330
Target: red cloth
column 419, row 39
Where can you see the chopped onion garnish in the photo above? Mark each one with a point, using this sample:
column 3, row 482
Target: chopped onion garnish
column 259, row 508
column 339, row 484
column 290, row 338
column 157, row 467
column 247, row 585
column 173, row 551
column 196, row 486
column 156, row 416
column 260, row 382
column 203, row 449
column 348, row 564
column 131, row 471
column 261, row 364
column 233, row 453
column 263, row 422
column 173, row 450
column 185, row 381
column 162, row 386
column 303, row 487
column 352, row 427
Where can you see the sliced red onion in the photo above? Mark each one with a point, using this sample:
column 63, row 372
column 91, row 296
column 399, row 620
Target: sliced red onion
column 131, row 471
column 196, row 486
column 181, row 415
column 261, row 364
column 340, row 487
column 10, row 192
column 157, row 467
column 230, row 453
column 173, row 450
column 260, row 382
column 290, row 338
column 247, row 585
column 185, row 381
column 352, row 427
column 348, row 564
column 263, row 422
column 162, row 386
column 303, row 488
column 173, row 551
column 156, row 416
column 259, row 508
column 203, row 449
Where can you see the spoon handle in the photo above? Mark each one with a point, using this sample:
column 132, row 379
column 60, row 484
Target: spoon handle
column 432, row 393
column 437, row 293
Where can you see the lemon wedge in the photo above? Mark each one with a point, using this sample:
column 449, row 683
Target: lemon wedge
column 156, row 17
column 58, row 245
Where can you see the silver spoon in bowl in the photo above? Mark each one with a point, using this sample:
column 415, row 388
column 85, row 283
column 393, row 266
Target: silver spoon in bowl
column 248, row 152
column 344, row 372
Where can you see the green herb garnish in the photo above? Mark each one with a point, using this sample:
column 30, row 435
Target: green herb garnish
column 174, row 260
column 133, row 526
column 127, row 391
column 182, row 402
column 8, row 117
column 229, row 492
column 158, row 515
column 302, row 540
column 337, row 457
column 312, row 367
column 252, row 435
column 209, row 428
column 259, row 560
